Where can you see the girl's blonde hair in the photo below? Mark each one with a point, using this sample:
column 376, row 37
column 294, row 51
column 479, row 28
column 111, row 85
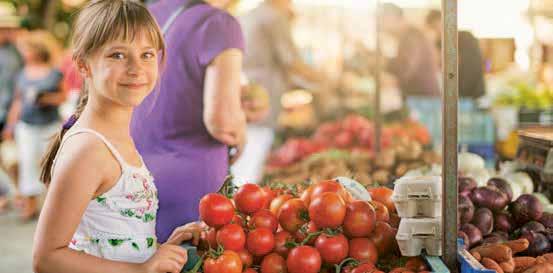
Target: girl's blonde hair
column 98, row 23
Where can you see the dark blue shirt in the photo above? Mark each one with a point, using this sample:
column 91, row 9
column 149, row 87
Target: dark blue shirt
column 30, row 91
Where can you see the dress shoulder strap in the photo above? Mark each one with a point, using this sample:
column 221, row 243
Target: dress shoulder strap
column 108, row 144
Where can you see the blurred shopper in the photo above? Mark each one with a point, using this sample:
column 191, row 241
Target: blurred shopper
column 33, row 115
column 415, row 65
column 471, row 63
column 184, row 128
column 416, row 70
column 10, row 65
column 271, row 60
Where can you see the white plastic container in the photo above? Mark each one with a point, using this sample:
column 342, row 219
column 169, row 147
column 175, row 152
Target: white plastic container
column 418, row 197
column 416, row 234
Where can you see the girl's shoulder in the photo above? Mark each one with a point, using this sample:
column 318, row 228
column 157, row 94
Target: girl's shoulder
column 84, row 152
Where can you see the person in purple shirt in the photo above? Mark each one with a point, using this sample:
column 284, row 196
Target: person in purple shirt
column 185, row 127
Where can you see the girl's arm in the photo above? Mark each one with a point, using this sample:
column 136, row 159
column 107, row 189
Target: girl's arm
column 55, row 98
column 78, row 178
column 223, row 115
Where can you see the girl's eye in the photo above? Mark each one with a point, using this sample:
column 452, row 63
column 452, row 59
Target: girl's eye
column 117, row 55
column 148, row 55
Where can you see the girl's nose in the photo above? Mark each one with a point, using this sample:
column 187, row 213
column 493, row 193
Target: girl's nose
column 134, row 66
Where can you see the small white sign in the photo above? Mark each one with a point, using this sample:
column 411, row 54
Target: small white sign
column 355, row 188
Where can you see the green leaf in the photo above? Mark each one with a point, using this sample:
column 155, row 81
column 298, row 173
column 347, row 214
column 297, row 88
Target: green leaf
column 115, row 242
column 101, row 200
column 95, row 241
column 150, row 242
column 135, row 246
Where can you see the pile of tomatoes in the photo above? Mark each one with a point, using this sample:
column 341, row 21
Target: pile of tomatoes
column 322, row 230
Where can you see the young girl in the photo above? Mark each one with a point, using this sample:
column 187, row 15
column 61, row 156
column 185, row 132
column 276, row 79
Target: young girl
column 100, row 210
column 33, row 115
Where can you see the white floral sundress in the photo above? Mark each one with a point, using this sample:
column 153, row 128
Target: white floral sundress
column 119, row 225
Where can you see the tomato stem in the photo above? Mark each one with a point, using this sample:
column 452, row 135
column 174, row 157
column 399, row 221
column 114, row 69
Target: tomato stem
column 228, row 188
column 333, row 232
column 291, row 244
column 351, row 261
column 304, row 215
column 310, row 236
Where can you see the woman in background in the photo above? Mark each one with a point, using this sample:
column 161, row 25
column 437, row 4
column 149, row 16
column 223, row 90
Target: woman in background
column 33, row 117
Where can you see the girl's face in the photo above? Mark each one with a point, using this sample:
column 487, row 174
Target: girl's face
column 124, row 72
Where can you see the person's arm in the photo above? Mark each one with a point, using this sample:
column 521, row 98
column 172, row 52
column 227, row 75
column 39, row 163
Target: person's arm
column 406, row 64
column 54, row 98
column 73, row 186
column 223, row 115
column 13, row 116
column 287, row 53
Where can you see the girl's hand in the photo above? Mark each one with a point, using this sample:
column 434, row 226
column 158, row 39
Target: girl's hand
column 168, row 258
column 190, row 231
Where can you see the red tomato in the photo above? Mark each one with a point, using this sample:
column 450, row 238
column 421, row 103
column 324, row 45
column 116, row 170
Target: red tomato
column 208, row 239
column 360, row 219
column 231, row 237
column 364, row 268
column 264, row 219
column 330, row 186
column 333, row 249
column 306, row 195
column 384, row 196
column 228, row 262
column 416, row 264
column 273, row 263
column 216, row 210
column 327, row 210
column 347, row 269
column 304, row 231
column 303, row 259
column 292, row 215
column 278, row 202
column 381, row 212
column 343, row 139
column 281, row 238
column 260, row 241
column 249, row 270
column 249, row 198
column 269, row 195
column 401, row 270
column 363, row 250
column 245, row 257
column 384, row 237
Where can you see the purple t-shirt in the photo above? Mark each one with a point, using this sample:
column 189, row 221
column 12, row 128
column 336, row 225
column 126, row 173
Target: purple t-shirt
column 168, row 127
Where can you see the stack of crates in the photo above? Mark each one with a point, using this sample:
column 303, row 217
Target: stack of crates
column 418, row 201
